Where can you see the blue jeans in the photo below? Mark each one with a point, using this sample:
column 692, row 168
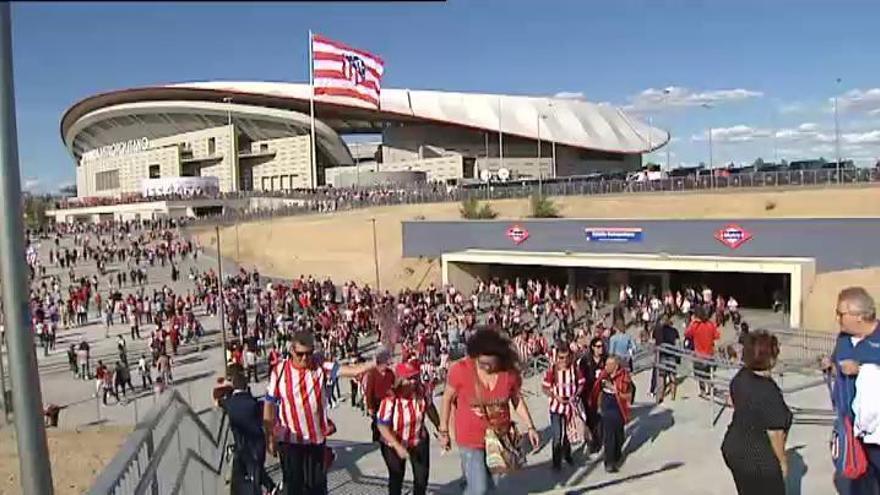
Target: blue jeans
column 473, row 467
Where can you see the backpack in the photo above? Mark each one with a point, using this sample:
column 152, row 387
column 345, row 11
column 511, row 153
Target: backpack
column 847, row 451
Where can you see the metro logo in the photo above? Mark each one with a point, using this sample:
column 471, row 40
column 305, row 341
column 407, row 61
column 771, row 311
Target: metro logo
column 517, row 234
column 733, row 236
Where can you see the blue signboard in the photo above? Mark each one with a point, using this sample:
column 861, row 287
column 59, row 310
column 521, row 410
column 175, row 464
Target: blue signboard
column 613, row 234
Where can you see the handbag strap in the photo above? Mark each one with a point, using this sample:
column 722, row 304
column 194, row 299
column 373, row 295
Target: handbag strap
column 479, row 396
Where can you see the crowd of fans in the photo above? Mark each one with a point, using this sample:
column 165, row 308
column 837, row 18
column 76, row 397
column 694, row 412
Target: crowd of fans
column 399, row 352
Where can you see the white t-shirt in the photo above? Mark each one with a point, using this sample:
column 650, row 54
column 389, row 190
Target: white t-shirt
column 866, row 404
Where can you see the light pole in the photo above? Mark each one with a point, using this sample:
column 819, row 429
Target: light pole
column 232, row 167
column 540, row 172
column 35, row 468
column 837, row 131
column 669, row 135
column 711, row 158
column 221, row 302
column 375, row 255
column 550, row 108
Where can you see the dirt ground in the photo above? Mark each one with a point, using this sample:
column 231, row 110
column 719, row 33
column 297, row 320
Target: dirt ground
column 340, row 245
column 77, row 457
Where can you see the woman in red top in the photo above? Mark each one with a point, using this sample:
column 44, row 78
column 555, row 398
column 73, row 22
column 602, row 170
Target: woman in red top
column 401, row 423
column 612, row 395
column 481, row 388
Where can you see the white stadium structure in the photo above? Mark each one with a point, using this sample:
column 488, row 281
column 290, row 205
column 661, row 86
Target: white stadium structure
column 256, row 136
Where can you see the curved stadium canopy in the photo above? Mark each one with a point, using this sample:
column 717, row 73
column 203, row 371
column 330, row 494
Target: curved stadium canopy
column 269, row 110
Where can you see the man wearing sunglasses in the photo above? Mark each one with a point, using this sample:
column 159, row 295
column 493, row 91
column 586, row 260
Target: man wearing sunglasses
column 858, row 344
column 295, row 414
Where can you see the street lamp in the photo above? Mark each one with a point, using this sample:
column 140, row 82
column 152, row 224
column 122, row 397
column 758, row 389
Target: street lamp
column 551, row 107
column 228, row 101
column 837, row 130
column 538, row 119
column 669, row 141
column 707, row 106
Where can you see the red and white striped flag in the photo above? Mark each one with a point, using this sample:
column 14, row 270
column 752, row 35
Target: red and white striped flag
column 343, row 71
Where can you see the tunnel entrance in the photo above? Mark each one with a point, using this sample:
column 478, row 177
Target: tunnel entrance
column 751, row 290
column 756, row 283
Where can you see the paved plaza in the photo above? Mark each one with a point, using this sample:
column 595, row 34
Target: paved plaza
column 671, row 448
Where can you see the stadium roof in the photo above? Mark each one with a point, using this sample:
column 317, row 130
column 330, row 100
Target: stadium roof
column 268, row 110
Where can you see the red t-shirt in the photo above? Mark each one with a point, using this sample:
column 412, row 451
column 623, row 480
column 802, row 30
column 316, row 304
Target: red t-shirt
column 704, row 334
column 470, row 422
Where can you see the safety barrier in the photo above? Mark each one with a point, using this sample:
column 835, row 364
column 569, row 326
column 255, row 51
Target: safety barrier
column 174, row 450
column 716, row 375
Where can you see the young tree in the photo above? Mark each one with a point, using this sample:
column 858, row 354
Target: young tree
column 471, row 209
column 543, row 207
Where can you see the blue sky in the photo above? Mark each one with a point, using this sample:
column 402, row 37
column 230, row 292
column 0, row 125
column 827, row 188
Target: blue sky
column 768, row 68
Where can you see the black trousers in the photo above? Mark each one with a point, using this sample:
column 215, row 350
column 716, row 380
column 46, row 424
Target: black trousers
column 302, row 468
column 594, row 425
column 561, row 445
column 249, row 475
column 612, row 437
column 419, row 458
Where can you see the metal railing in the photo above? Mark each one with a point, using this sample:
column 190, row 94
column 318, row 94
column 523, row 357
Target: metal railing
column 716, row 374
column 331, row 200
column 172, row 451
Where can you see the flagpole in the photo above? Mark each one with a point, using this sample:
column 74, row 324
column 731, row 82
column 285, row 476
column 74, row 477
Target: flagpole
column 314, row 151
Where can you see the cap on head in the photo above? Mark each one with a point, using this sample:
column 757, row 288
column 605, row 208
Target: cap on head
column 406, row 370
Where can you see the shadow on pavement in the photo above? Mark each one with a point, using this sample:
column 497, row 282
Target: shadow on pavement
column 647, row 427
column 605, row 484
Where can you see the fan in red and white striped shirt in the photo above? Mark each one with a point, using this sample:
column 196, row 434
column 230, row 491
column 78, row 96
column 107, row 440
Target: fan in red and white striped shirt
column 403, row 410
column 523, row 346
column 405, row 417
column 342, row 71
column 297, row 387
column 302, row 403
column 564, row 381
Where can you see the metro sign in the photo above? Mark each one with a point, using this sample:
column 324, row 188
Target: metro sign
column 733, row 236
column 517, row 234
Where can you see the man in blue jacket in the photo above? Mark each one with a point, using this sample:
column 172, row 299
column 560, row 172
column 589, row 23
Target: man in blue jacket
column 858, row 343
column 246, row 422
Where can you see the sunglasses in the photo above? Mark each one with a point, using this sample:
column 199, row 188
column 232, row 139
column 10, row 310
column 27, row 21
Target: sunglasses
column 302, row 354
column 598, row 346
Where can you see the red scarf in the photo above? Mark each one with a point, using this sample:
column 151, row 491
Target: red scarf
column 622, row 382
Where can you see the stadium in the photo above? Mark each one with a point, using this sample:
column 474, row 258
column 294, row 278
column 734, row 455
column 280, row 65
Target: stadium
column 255, row 136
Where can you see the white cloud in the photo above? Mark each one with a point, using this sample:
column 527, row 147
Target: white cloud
column 675, row 96
column 736, row 134
column 793, row 108
column 570, row 95
column 861, row 138
column 860, row 101
column 30, row 184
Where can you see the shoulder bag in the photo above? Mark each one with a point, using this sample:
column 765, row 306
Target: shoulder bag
column 502, row 443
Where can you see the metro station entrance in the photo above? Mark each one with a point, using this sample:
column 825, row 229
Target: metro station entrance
column 759, row 283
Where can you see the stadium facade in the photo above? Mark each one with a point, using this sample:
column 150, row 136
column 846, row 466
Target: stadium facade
column 255, row 136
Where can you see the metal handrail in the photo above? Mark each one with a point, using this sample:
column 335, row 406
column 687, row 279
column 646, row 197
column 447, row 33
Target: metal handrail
column 348, row 199
column 136, row 468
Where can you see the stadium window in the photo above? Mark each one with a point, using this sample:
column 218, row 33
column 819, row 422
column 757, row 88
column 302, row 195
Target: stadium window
column 212, row 146
column 106, row 180
column 154, row 172
column 264, row 147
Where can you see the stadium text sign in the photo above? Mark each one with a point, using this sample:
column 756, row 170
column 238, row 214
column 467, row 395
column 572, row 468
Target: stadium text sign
column 613, row 234
column 118, row 149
